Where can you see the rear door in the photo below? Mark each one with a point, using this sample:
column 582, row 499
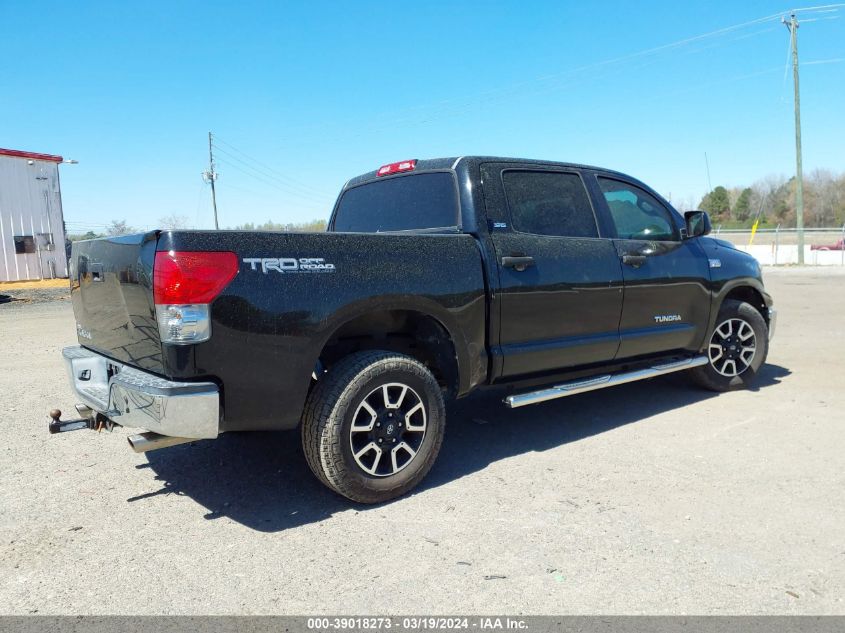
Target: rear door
column 667, row 298
column 560, row 280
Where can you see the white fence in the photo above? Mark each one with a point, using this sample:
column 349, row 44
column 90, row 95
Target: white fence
column 773, row 247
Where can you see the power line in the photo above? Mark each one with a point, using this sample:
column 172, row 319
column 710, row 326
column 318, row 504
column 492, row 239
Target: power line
column 821, row 8
column 553, row 82
column 266, row 168
column 833, row 60
column 453, row 108
column 267, row 173
column 457, row 106
column 259, row 170
column 461, row 104
column 270, row 183
column 245, row 190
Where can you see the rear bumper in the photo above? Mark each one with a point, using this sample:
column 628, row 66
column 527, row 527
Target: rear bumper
column 137, row 399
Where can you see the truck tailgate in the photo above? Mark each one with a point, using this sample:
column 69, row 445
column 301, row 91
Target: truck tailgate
column 112, row 295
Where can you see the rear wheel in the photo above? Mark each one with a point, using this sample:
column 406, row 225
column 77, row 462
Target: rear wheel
column 373, row 425
column 736, row 349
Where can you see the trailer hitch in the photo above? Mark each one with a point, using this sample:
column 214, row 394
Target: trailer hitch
column 90, row 420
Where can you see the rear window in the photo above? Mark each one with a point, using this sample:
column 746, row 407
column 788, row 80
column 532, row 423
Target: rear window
column 421, row 201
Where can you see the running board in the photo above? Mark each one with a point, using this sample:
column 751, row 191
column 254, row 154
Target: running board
column 600, row 382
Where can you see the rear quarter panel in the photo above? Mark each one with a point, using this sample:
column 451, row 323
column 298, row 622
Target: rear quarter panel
column 268, row 327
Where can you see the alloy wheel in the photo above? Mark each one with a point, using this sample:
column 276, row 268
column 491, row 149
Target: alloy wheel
column 732, row 347
column 387, row 429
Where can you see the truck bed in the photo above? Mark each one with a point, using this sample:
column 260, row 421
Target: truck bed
column 271, row 322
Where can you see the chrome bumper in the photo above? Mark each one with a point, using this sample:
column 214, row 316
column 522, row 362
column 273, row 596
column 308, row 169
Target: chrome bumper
column 773, row 321
column 137, row 399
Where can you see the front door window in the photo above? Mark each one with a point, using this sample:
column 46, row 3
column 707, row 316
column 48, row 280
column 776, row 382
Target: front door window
column 637, row 214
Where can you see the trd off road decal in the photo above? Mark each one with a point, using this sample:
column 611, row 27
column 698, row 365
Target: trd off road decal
column 290, row 264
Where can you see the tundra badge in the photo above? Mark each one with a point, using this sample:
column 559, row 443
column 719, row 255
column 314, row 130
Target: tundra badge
column 667, row 318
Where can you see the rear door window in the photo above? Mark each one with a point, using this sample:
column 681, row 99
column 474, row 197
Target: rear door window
column 404, row 203
column 549, row 203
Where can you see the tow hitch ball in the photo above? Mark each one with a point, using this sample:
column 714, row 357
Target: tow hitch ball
column 89, row 420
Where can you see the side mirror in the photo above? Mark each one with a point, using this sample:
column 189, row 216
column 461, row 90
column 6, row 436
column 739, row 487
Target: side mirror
column 698, row 223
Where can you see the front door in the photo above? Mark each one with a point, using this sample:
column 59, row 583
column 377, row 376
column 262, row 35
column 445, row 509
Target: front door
column 560, row 281
column 667, row 298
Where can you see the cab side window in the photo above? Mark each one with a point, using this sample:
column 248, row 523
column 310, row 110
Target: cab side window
column 549, row 203
column 637, row 214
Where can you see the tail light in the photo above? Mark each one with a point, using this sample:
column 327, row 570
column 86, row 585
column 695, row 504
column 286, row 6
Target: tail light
column 184, row 285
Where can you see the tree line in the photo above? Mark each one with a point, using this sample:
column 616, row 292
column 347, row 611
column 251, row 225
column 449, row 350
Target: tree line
column 312, row 226
column 773, row 198
column 176, row 222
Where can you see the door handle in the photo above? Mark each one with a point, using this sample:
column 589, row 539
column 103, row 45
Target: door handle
column 518, row 263
column 634, row 260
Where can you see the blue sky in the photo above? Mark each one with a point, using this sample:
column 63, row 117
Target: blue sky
column 303, row 95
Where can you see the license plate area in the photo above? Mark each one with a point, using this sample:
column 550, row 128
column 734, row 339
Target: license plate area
column 90, row 375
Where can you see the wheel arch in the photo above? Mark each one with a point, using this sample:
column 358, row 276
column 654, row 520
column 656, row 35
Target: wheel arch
column 747, row 289
column 407, row 329
column 749, row 294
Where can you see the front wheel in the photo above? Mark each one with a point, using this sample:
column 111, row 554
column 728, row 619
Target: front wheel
column 373, row 425
column 736, row 349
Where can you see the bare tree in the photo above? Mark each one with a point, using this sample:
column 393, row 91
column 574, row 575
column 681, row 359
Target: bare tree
column 173, row 221
column 826, row 199
column 119, row 227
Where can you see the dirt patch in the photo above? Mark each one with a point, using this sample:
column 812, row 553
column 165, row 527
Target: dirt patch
column 21, row 296
column 32, row 285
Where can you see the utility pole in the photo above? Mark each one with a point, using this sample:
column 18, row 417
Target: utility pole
column 792, row 25
column 707, row 164
column 210, row 176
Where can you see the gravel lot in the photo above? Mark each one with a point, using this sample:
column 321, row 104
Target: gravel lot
column 35, row 295
column 648, row 498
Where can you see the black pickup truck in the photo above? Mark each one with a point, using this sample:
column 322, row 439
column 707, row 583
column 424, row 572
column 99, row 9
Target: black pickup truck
column 434, row 278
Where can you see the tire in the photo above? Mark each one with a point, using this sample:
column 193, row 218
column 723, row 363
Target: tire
column 363, row 420
column 732, row 366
